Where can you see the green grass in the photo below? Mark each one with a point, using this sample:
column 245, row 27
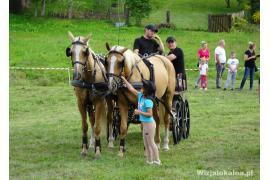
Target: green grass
column 45, row 138
column 38, row 42
column 45, row 127
column 186, row 14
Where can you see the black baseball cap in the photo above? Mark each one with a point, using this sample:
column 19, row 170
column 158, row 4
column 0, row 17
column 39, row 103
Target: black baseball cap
column 170, row 39
column 151, row 27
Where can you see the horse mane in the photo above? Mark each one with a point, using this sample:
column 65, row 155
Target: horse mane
column 129, row 55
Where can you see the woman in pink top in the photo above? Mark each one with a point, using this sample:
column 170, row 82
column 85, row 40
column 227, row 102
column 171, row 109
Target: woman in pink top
column 203, row 54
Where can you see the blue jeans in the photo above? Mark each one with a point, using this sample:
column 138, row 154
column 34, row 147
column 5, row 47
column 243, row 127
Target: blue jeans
column 220, row 69
column 250, row 72
column 230, row 77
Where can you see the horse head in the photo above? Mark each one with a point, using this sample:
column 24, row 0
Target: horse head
column 79, row 53
column 116, row 64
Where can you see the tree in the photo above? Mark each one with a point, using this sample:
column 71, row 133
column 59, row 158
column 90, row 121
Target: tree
column 228, row 2
column 139, row 9
column 43, row 8
column 70, row 7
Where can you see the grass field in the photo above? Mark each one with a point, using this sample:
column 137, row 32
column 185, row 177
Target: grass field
column 45, row 138
column 181, row 14
column 42, row 43
column 45, row 126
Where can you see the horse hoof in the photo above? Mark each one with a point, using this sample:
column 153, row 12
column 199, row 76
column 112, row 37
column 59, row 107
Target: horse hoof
column 120, row 154
column 83, row 154
column 97, row 156
column 110, row 145
column 92, row 143
column 166, row 148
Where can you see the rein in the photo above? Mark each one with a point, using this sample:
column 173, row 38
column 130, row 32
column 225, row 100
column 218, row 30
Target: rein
column 92, row 85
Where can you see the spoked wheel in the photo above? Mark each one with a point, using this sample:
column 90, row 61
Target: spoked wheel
column 176, row 129
column 186, row 120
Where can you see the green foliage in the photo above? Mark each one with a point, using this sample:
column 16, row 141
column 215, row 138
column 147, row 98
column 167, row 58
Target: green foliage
column 256, row 17
column 139, row 9
column 101, row 6
column 242, row 25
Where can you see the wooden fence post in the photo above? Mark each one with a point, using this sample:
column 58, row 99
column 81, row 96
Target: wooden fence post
column 168, row 17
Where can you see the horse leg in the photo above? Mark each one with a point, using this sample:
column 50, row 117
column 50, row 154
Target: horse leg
column 157, row 135
column 99, row 110
column 110, row 122
column 123, row 127
column 82, row 109
column 168, row 103
column 92, row 122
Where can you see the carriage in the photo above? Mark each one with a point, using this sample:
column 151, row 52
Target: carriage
column 180, row 114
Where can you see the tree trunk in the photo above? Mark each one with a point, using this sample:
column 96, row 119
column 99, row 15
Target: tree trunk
column 138, row 21
column 43, row 8
column 70, row 6
column 126, row 12
column 228, row 2
column 36, row 9
column 23, row 4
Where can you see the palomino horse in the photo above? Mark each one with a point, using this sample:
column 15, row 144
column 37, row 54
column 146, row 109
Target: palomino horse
column 122, row 61
column 88, row 73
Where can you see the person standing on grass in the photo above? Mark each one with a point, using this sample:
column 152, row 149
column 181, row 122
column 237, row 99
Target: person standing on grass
column 220, row 60
column 250, row 58
column 232, row 70
column 203, row 54
column 176, row 56
column 203, row 68
column 145, row 112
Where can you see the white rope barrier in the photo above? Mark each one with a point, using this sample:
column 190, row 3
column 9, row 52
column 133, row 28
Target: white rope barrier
column 68, row 69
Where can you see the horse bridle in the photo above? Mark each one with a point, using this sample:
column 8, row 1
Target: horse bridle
column 120, row 82
column 68, row 53
column 121, row 65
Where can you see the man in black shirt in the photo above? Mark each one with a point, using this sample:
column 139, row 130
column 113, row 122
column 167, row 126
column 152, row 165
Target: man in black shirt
column 147, row 44
column 176, row 56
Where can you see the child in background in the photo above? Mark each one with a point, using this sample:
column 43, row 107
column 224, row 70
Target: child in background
column 203, row 68
column 232, row 71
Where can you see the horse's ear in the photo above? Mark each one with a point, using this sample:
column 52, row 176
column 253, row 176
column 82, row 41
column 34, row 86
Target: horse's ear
column 123, row 50
column 70, row 36
column 108, row 46
column 86, row 39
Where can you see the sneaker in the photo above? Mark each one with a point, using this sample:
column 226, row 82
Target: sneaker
column 224, row 89
column 149, row 162
column 157, row 162
column 196, row 87
column 232, row 89
column 218, row 87
column 200, row 88
column 205, row 89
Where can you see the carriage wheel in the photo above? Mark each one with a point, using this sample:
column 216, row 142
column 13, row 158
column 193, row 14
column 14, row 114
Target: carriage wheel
column 186, row 120
column 176, row 129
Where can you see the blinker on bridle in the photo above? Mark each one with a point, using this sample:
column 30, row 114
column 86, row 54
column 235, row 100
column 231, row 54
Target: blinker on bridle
column 69, row 53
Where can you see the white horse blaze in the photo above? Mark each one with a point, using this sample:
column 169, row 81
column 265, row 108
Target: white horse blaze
column 77, row 57
column 113, row 59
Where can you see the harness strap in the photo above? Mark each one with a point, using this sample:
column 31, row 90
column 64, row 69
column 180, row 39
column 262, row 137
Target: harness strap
column 102, row 70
